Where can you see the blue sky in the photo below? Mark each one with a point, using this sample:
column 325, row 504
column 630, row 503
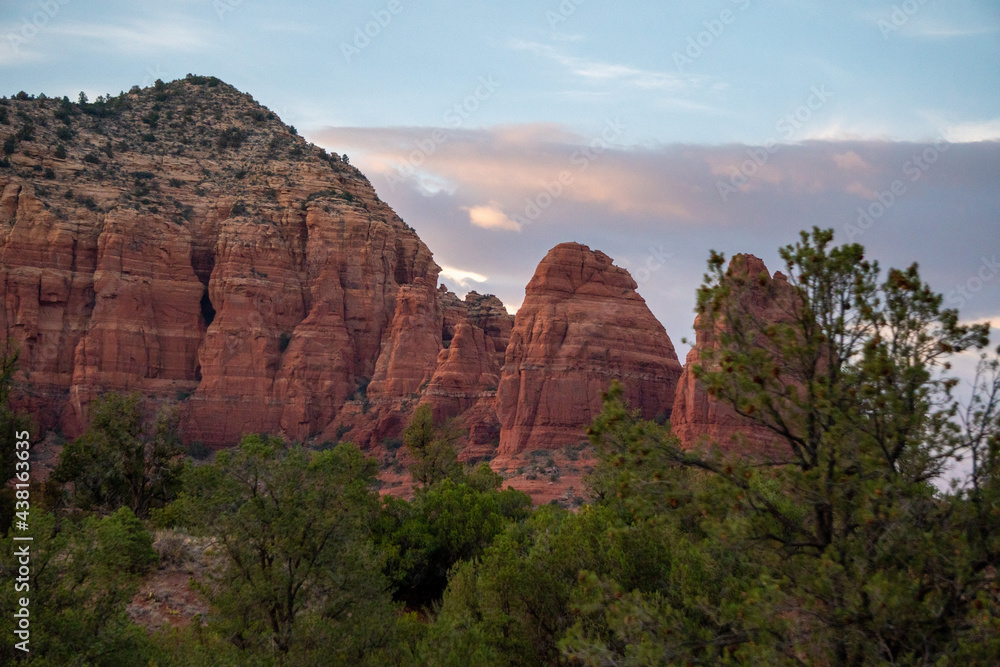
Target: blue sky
column 651, row 130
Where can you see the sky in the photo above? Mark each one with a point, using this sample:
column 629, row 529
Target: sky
column 654, row 131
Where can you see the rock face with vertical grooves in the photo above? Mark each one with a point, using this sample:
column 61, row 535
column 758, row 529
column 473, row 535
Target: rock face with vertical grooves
column 181, row 242
column 581, row 326
column 699, row 419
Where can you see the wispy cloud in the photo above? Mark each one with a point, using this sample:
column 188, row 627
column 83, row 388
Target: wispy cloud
column 491, row 216
column 462, row 277
column 601, row 72
column 137, row 37
column 942, row 30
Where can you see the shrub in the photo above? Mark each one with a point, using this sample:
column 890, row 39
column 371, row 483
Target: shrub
column 198, row 451
column 232, row 137
column 27, row 131
column 60, row 152
column 173, row 547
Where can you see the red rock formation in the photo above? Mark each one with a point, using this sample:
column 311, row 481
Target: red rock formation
column 453, row 311
column 253, row 280
column 467, row 372
column 489, row 314
column 581, row 326
column 698, row 419
column 410, row 350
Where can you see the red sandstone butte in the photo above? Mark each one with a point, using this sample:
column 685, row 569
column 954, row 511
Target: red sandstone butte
column 256, row 282
column 581, row 326
column 699, row 419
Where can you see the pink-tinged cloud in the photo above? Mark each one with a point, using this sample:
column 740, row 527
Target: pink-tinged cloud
column 664, row 207
column 491, row 217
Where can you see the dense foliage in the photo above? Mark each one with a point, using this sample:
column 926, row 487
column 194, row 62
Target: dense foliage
column 119, row 461
column 840, row 545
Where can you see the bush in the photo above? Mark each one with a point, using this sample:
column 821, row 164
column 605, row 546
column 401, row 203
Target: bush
column 173, row 547
column 232, row 137
column 60, row 152
column 27, row 131
column 198, row 451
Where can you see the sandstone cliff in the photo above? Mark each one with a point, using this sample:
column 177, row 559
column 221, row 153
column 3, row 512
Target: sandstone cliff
column 699, row 419
column 581, row 326
column 182, row 242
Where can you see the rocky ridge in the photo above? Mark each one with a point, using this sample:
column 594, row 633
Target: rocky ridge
column 182, row 242
column 699, row 419
column 581, row 326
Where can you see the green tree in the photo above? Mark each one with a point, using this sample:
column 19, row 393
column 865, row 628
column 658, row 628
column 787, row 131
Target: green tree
column 434, row 454
column 300, row 579
column 81, row 578
column 445, row 524
column 855, row 556
column 12, row 422
column 120, row 461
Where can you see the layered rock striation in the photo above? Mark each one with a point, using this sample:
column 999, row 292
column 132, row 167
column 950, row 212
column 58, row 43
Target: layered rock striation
column 702, row 420
column 582, row 325
column 181, row 242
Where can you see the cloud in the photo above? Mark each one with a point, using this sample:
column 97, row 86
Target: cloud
column 625, row 200
column 461, row 276
column 491, row 217
column 137, row 37
column 988, row 130
column 850, row 161
column 599, row 72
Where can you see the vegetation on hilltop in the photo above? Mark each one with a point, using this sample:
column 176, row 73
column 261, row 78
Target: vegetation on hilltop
column 170, row 149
